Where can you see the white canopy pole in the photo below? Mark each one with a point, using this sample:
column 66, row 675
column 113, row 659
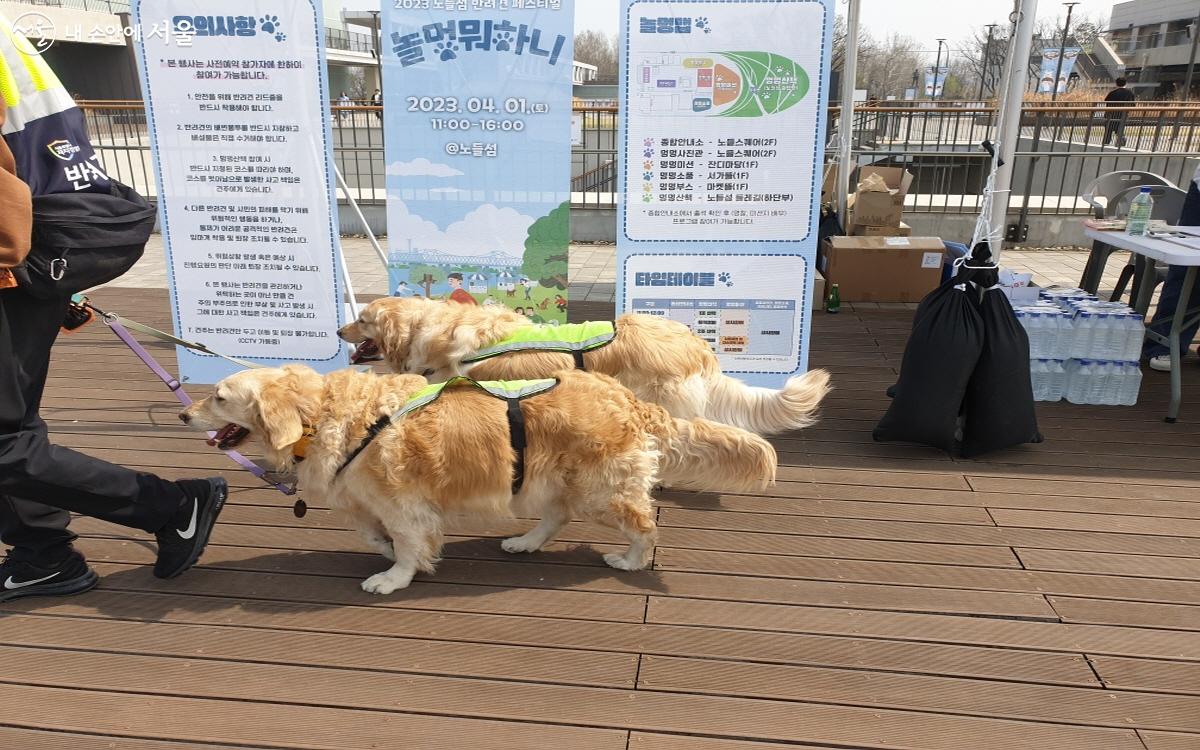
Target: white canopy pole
column 846, row 122
column 1009, row 113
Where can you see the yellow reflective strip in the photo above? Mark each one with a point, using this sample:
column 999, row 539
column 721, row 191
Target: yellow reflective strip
column 8, row 85
column 40, row 74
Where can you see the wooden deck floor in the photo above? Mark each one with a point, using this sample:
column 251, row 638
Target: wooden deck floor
column 881, row 596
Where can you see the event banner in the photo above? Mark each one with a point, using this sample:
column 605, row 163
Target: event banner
column 723, row 131
column 239, row 129
column 935, row 77
column 477, row 110
column 1050, row 65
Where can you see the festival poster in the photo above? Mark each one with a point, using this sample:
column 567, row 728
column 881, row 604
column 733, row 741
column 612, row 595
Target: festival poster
column 1050, row 66
column 240, row 135
column 935, row 81
column 722, row 137
column 477, row 109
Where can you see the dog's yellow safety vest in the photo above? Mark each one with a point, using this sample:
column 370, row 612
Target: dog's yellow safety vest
column 510, row 391
column 573, row 339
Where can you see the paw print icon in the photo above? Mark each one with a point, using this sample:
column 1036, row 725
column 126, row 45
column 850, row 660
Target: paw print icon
column 269, row 24
column 726, row 279
column 648, row 153
column 504, row 41
column 446, row 51
column 702, row 24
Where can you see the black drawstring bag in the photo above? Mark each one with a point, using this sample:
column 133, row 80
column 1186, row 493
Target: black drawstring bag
column 942, row 353
column 998, row 410
column 85, row 239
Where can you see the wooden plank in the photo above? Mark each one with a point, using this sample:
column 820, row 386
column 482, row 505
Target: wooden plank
column 1087, row 489
column 1097, row 522
column 1132, row 613
column 1165, row 741
column 476, row 539
column 260, row 724
column 1150, row 544
column 549, row 585
column 782, row 499
column 1063, row 637
column 1148, row 674
column 1148, row 566
column 332, row 591
column 32, row 739
column 743, row 645
column 915, row 574
column 1082, row 706
column 646, row 741
column 606, row 669
column 536, row 703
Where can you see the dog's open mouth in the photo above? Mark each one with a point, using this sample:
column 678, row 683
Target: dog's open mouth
column 367, row 351
column 229, row 437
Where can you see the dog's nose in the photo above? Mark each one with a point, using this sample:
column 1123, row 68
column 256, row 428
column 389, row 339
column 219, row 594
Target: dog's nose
column 185, row 417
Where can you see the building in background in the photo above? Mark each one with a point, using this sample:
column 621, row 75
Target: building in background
column 1149, row 42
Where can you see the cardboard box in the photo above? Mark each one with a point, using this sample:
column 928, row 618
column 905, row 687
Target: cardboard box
column 883, row 269
column 878, row 209
column 818, row 291
column 903, row 230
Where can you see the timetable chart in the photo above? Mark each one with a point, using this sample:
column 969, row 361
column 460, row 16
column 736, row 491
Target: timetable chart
column 737, row 327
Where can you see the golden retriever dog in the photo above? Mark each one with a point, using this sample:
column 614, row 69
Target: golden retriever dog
column 660, row 360
column 594, row 451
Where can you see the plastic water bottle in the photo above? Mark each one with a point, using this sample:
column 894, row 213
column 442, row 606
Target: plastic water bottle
column 1139, row 213
column 1058, row 381
column 1039, row 375
column 1036, row 330
column 1135, row 332
column 1133, row 385
column 1077, row 372
column 1084, row 332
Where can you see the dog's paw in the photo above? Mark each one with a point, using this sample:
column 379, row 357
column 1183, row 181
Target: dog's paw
column 385, row 583
column 620, row 563
column 518, row 544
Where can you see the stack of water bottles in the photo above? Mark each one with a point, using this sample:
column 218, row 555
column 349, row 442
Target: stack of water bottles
column 1082, row 349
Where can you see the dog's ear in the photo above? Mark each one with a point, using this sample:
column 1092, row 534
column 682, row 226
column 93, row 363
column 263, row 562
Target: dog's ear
column 395, row 326
column 279, row 406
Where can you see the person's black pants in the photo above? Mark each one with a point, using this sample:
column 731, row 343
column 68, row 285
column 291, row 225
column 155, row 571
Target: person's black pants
column 1115, row 127
column 40, row 482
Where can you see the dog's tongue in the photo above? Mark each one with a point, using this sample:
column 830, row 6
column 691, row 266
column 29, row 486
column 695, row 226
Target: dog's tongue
column 224, row 434
column 367, row 351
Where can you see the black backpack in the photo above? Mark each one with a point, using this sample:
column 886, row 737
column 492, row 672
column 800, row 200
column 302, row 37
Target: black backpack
column 82, row 240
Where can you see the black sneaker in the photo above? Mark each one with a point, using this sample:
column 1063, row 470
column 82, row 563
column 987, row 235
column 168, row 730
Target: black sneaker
column 71, row 576
column 182, row 540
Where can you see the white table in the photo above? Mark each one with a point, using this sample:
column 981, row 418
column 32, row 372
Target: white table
column 1161, row 251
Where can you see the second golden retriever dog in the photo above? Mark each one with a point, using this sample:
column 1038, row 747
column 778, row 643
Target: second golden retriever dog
column 593, row 451
column 660, row 360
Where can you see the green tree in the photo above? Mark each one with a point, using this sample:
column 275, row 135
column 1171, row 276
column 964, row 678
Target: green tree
column 546, row 248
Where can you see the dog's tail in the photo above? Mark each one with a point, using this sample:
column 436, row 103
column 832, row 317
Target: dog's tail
column 765, row 411
column 703, row 455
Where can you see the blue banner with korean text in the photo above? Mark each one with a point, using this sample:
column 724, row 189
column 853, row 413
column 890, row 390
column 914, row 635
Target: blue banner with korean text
column 721, row 138
column 477, row 111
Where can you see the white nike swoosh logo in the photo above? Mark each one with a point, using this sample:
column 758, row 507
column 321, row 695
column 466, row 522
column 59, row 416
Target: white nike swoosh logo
column 190, row 531
column 12, row 585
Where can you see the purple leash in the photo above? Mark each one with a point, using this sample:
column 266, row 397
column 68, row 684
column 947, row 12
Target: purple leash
column 114, row 323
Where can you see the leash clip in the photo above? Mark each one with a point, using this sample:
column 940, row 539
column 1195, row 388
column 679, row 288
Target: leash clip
column 58, row 268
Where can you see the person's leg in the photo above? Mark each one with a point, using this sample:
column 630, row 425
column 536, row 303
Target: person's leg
column 59, row 478
column 1173, row 289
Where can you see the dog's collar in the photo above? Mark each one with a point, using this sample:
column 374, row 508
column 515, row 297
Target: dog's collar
column 300, row 447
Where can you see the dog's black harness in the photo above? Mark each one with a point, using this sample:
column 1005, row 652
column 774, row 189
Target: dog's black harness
column 512, row 392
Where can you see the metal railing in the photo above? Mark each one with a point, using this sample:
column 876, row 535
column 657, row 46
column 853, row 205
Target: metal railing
column 349, row 41
column 96, row 6
column 1062, row 149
